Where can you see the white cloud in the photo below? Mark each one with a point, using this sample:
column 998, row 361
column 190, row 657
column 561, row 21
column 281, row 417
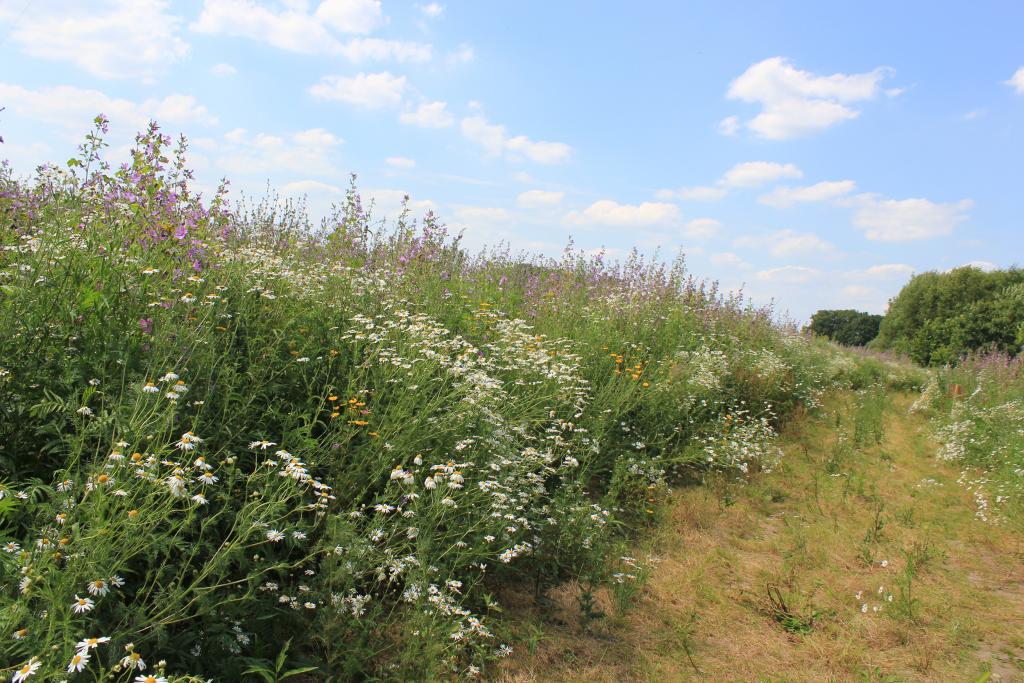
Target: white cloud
column 290, row 29
column 377, row 49
column 754, row 173
column 495, row 142
column 1017, row 81
column 611, row 213
column 73, row 108
column 351, row 16
column 746, row 174
column 428, row 115
column 789, row 275
column 539, row 198
column 883, row 271
column 112, row 39
column 295, row 29
column 795, row 102
column 372, row 91
column 523, row 177
column 730, row 125
column 432, row 10
column 303, row 152
column 727, row 258
column 785, row 243
column 904, row 220
column 223, row 69
column 702, row 228
column 825, row 191
column 400, row 162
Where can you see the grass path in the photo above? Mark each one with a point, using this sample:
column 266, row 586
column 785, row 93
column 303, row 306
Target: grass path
column 760, row 582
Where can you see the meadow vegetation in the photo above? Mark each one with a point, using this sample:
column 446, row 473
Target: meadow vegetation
column 238, row 446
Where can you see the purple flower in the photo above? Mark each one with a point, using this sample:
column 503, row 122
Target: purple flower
column 146, row 325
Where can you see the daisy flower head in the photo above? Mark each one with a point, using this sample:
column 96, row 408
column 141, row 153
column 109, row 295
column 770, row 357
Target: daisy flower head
column 99, row 587
column 82, row 605
column 133, row 660
column 150, row 679
column 275, row 535
column 150, row 388
column 188, row 441
column 29, row 669
column 262, row 444
column 207, row 478
column 20, row 633
column 79, row 661
column 116, row 581
column 87, row 644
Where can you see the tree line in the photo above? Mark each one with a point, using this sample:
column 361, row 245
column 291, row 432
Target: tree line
column 938, row 317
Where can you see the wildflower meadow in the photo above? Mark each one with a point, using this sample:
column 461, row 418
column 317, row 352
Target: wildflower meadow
column 236, row 445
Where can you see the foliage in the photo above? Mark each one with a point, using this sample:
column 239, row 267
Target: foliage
column 847, row 327
column 939, row 317
column 224, row 430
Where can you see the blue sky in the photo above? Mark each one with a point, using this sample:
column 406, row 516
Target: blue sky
column 810, row 153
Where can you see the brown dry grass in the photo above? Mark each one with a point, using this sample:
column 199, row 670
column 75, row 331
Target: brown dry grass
column 705, row 614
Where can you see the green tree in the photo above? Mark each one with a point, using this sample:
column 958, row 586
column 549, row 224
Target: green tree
column 848, row 327
column 938, row 317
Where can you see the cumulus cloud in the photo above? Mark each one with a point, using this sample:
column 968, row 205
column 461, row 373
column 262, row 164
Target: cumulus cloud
column 372, row 91
column 72, row 108
column 610, row 213
column 432, row 10
column 883, row 271
column 539, row 198
column 745, row 174
column 727, row 258
column 428, row 115
column 828, row 190
column 904, row 220
column 789, row 275
column 302, row 152
column 785, row 243
column 112, row 39
column 351, row 16
column 795, row 103
column 494, row 139
column 1017, row 81
column 754, row 173
column 702, row 228
column 295, row 29
column 400, row 162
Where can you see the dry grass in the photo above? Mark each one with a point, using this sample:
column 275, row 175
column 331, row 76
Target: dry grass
column 706, row 614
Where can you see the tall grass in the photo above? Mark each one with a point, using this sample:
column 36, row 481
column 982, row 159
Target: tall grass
column 227, row 430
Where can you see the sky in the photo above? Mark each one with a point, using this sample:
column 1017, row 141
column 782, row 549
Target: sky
column 810, row 154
